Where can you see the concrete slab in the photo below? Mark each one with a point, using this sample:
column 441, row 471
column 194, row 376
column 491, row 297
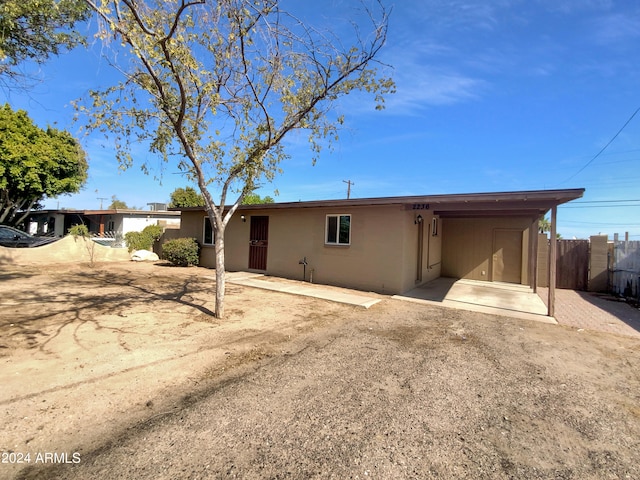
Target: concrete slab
column 496, row 298
column 294, row 287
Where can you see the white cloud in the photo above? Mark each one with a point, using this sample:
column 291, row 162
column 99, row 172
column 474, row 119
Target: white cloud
column 460, row 14
column 422, row 87
column 618, row 27
column 426, row 74
column 417, row 87
column 573, row 6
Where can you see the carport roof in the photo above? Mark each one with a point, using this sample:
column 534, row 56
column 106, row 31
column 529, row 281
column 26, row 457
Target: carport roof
column 531, row 202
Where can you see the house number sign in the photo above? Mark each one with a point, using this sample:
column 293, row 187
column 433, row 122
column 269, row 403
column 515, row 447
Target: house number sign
column 420, row 206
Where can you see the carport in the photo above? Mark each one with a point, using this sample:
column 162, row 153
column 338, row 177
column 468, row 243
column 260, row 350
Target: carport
column 493, row 238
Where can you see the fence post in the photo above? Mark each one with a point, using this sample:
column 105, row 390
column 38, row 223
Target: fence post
column 626, row 242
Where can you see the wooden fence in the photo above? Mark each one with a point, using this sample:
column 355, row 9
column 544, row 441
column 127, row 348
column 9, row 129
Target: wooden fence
column 596, row 265
column 572, row 264
column 580, row 264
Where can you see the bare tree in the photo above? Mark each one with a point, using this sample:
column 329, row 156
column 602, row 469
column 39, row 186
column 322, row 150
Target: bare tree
column 219, row 84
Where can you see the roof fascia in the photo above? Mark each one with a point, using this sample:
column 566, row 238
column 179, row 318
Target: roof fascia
column 535, row 199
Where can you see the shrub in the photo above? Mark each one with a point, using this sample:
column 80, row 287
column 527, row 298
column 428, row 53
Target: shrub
column 183, row 252
column 154, row 231
column 79, row 231
column 143, row 240
column 136, row 241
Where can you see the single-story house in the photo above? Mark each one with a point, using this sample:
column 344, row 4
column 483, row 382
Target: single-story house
column 102, row 223
column 388, row 245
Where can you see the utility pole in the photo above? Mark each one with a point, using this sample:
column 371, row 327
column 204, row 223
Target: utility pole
column 349, row 183
column 101, row 199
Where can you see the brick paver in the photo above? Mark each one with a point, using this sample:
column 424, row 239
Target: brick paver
column 594, row 312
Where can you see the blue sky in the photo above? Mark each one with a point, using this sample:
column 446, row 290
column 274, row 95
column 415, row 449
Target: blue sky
column 495, row 95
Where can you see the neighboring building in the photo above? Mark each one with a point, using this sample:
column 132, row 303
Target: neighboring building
column 101, row 223
column 388, row 245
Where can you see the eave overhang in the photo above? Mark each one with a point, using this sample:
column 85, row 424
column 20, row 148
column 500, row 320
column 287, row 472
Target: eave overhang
column 526, row 203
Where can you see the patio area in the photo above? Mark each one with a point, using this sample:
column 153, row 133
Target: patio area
column 579, row 310
column 595, row 311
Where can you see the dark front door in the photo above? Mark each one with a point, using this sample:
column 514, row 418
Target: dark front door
column 258, row 241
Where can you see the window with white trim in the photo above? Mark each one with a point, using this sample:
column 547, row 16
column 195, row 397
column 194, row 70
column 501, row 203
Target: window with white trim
column 208, row 238
column 338, row 230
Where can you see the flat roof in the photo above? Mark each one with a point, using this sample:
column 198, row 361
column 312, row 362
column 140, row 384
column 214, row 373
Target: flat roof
column 171, row 213
column 526, row 202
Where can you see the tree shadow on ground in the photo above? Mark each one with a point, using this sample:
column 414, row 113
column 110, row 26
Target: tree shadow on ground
column 76, row 299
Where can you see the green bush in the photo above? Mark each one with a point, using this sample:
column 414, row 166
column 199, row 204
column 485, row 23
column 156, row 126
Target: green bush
column 137, row 241
column 154, row 231
column 183, row 252
column 79, row 231
column 143, row 240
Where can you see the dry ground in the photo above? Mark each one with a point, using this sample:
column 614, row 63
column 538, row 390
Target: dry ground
column 121, row 372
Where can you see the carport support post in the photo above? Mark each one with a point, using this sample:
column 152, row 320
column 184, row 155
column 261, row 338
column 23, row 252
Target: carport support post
column 533, row 254
column 552, row 263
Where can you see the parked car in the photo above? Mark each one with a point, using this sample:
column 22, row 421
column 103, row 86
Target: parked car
column 12, row 237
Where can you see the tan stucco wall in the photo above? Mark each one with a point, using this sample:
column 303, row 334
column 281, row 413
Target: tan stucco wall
column 382, row 255
column 191, row 225
column 370, row 262
column 467, row 245
column 65, row 250
column 598, row 263
column 543, row 260
column 431, row 249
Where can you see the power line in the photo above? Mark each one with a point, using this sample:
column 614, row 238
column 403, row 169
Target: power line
column 600, row 206
column 606, row 201
column 603, row 148
column 624, row 224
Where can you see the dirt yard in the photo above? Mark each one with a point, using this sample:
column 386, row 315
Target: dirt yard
column 119, row 371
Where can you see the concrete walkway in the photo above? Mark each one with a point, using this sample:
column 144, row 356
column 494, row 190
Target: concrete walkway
column 580, row 310
column 334, row 294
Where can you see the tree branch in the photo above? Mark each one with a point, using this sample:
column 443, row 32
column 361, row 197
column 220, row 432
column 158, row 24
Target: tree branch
column 133, row 8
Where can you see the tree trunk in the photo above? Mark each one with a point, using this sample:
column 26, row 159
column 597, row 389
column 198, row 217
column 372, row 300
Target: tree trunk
column 219, row 220
column 4, row 213
column 25, row 213
column 220, row 281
